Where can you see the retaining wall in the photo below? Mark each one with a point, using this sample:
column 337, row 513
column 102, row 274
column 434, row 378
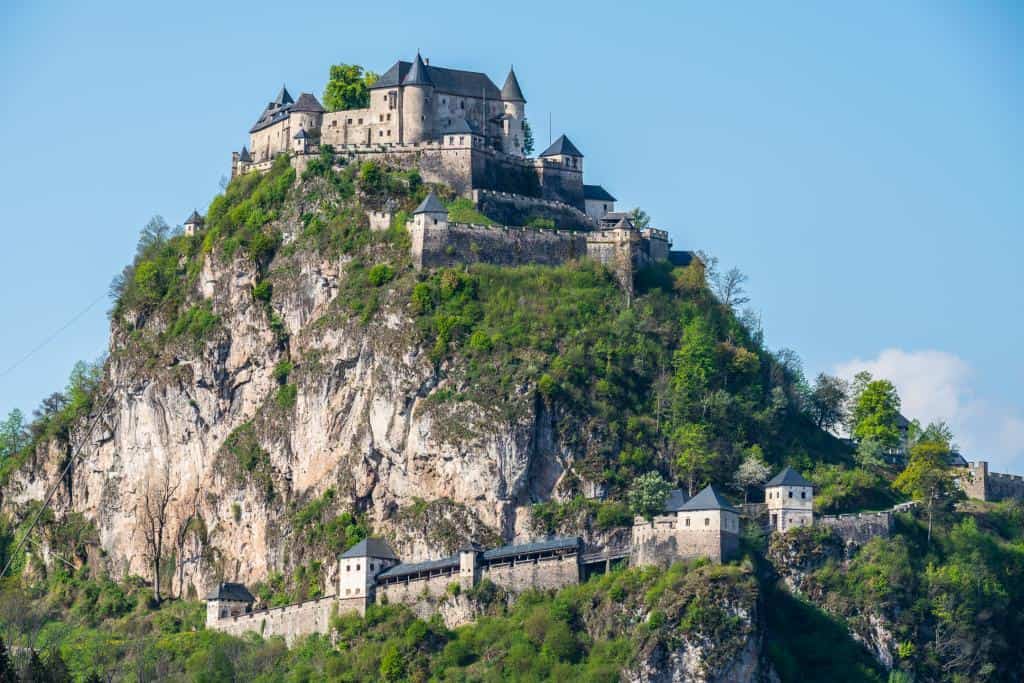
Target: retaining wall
column 291, row 621
column 859, row 528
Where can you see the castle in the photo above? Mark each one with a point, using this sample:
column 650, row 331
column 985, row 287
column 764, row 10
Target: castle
column 705, row 525
column 458, row 128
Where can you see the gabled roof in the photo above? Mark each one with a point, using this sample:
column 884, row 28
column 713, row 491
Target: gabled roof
column 624, row 223
column 562, row 145
column 417, row 74
column 462, row 127
column 597, row 193
column 301, row 135
column 448, row 81
column 308, row 102
column 244, row 154
column 230, row 591
column 194, row 218
column 430, row 205
column 563, row 543
column 675, row 501
column 707, row 499
column 511, row 92
column 788, row 477
column 416, row 567
column 371, row 547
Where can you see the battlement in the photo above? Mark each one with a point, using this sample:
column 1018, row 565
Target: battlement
column 981, row 484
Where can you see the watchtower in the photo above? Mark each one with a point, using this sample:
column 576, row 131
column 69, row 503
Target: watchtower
column 359, row 566
column 194, row 222
column 790, row 500
column 227, row 600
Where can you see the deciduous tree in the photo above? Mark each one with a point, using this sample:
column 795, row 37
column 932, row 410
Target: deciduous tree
column 928, row 478
column 647, row 494
column 827, row 401
column 694, row 457
column 156, row 500
column 348, row 87
column 875, row 412
column 753, row 471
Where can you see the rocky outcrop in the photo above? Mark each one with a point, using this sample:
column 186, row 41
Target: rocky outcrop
column 359, row 415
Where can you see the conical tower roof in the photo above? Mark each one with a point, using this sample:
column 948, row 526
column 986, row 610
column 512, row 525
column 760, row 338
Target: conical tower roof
column 194, row 218
column 430, row 205
column 511, row 92
column 283, row 97
column 417, row 73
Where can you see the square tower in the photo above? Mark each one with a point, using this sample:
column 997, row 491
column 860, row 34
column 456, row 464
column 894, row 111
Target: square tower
column 227, row 600
column 790, row 500
column 359, row 566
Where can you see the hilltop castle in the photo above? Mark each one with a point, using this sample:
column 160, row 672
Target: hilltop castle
column 458, row 128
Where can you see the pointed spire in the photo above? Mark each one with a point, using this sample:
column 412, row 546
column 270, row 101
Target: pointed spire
column 511, row 92
column 283, row 97
column 195, row 218
column 417, row 73
column 244, row 154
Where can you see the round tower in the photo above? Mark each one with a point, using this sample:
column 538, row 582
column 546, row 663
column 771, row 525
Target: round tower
column 514, row 105
column 417, row 103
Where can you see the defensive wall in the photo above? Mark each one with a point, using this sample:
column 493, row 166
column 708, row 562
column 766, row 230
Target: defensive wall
column 992, row 486
column 292, row 621
column 455, row 243
column 859, row 527
column 661, row 541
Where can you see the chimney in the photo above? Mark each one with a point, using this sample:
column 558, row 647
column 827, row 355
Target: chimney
column 427, row 61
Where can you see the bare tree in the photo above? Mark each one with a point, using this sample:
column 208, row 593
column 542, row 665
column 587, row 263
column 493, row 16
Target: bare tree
column 156, row 499
column 728, row 287
column 187, row 529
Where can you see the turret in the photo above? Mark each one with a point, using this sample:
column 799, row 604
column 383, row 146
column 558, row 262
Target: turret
column 469, row 565
column 790, row 500
column 417, row 103
column 227, row 600
column 193, row 223
column 514, row 105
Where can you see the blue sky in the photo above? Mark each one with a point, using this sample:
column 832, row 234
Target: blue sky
column 861, row 162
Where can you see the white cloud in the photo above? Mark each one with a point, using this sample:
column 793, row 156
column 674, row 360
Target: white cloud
column 936, row 385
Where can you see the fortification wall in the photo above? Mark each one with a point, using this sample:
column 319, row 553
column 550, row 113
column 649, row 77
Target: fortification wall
column 417, row 590
column 1003, row 486
column 858, row 528
column 544, row 573
column 291, row 621
column 662, row 546
column 518, row 209
column 458, row 243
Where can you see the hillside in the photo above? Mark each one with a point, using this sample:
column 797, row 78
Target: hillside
column 283, row 383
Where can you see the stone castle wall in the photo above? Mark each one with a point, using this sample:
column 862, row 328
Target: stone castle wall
column 541, row 573
column 416, row 590
column 456, row 243
column 291, row 621
column 858, row 528
column 517, row 209
column 993, row 486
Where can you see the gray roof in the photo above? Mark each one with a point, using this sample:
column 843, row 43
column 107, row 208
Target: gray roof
column 448, row 81
column 534, row 547
column 511, row 92
column 707, row 499
column 283, row 97
column 562, row 145
column 417, row 74
column 301, row 135
column 430, row 205
column 788, row 477
column 194, row 218
column 230, row 591
column 625, row 223
column 308, row 102
column 676, row 499
column 957, row 460
column 598, row 193
column 371, row 547
column 415, row 567
column 681, row 258
column 462, row 127
column 244, row 154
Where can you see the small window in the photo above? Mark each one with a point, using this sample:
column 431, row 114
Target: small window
column 687, row 521
column 348, row 591
column 348, row 567
column 707, row 521
column 350, row 122
column 357, row 567
column 357, row 591
column 790, row 494
column 360, row 122
column 803, row 494
column 380, row 133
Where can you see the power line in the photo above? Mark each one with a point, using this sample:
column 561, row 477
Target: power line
column 53, row 336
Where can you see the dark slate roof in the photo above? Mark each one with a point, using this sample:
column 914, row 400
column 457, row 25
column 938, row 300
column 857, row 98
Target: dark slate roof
column 416, row 567
column 624, row 224
column 430, row 205
column 301, row 135
column 230, row 591
column 788, row 477
column 562, row 145
column 371, row 547
column 283, row 97
column 462, row 127
column 417, row 74
column 598, row 193
column 511, row 92
column 194, row 218
column 707, row 499
column 957, row 460
column 448, row 81
column 307, row 102
column 676, row 499
column 535, row 547
column 244, row 154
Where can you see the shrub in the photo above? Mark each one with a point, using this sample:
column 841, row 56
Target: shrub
column 262, row 290
column 380, row 274
column 282, row 370
column 286, row 396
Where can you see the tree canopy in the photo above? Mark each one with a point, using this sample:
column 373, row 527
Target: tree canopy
column 348, row 87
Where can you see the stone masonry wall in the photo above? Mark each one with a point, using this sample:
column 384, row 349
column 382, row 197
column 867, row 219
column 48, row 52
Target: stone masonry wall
column 517, row 209
column 858, row 528
column 457, row 243
column 984, row 485
column 415, row 591
column 544, row 573
column 291, row 621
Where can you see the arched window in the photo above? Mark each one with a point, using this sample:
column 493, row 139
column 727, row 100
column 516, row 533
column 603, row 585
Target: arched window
column 707, row 521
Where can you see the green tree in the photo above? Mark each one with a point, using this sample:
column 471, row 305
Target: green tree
column 875, row 413
column 639, row 218
column 647, row 494
column 928, row 478
column 348, row 87
column 694, row 459
column 528, row 142
column 13, row 434
column 695, row 367
column 827, row 401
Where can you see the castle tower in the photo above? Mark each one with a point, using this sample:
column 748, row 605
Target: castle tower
column 193, row 223
column 560, row 167
column 359, row 566
column 514, row 105
column 708, row 526
column 790, row 500
column 417, row 103
column 430, row 216
column 227, row 600
column 469, row 565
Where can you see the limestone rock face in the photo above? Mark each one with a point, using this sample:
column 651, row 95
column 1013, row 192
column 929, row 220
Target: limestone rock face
column 362, row 422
